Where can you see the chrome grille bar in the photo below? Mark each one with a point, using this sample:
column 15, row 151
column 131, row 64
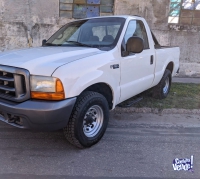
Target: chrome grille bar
column 7, row 88
column 4, row 78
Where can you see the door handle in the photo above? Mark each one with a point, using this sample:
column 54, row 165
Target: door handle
column 151, row 60
column 115, row 66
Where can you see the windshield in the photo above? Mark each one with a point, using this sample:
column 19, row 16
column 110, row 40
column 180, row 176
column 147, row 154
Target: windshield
column 102, row 33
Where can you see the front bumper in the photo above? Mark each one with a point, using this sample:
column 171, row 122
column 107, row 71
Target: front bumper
column 37, row 114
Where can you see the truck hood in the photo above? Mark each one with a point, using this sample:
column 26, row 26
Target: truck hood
column 45, row 60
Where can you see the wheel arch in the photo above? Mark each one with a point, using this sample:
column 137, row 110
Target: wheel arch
column 104, row 89
column 170, row 67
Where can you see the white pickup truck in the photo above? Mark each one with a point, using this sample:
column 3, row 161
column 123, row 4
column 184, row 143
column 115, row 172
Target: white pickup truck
column 84, row 70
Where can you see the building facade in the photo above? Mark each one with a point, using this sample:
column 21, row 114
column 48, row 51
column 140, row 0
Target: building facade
column 25, row 23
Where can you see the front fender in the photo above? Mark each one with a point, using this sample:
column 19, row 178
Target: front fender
column 92, row 78
column 76, row 80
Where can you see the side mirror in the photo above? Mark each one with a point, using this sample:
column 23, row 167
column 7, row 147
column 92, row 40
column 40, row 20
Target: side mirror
column 44, row 42
column 135, row 45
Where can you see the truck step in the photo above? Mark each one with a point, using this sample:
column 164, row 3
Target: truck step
column 131, row 103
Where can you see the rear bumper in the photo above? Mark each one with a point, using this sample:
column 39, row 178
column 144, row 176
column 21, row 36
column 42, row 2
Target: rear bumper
column 37, row 114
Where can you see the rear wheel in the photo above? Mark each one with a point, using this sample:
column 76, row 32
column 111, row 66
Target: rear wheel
column 88, row 121
column 162, row 89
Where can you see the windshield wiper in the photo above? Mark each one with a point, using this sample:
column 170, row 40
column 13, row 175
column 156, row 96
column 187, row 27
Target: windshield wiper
column 75, row 42
column 81, row 44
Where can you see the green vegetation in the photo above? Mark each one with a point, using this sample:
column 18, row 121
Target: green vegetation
column 182, row 96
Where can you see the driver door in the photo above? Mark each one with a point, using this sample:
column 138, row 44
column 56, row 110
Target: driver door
column 137, row 70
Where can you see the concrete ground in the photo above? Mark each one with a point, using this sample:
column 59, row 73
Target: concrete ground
column 140, row 146
column 186, row 80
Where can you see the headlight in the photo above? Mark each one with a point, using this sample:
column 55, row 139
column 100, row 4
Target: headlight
column 48, row 88
column 43, row 84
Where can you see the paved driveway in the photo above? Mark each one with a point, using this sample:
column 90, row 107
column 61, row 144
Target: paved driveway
column 135, row 145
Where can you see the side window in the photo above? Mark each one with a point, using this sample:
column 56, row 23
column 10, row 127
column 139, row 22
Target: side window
column 143, row 34
column 136, row 28
column 130, row 31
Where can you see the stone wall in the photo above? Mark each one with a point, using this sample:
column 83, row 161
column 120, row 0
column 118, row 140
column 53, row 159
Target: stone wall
column 25, row 23
column 186, row 37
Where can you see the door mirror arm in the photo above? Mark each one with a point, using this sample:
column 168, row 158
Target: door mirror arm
column 125, row 54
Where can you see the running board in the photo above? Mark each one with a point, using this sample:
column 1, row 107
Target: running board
column 131, row 103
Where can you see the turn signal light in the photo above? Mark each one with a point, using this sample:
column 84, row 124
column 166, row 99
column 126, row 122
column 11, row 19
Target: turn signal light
column 48, row 96
column 59, row 86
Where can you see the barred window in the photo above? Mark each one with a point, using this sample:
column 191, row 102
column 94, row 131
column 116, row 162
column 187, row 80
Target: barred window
column 79, row 9
column 185, row 12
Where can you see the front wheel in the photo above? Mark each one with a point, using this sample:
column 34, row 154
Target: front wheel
column 162, row 89
column 88, row 121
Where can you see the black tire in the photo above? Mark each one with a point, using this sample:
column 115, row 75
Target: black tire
column 74, row 131
column 158, row 90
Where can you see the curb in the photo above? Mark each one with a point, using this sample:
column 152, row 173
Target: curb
column 186, row 80
column 156, row 110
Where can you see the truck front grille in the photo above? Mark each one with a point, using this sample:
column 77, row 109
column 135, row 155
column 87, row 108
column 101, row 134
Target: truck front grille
column 14, row 84
column 7, row 84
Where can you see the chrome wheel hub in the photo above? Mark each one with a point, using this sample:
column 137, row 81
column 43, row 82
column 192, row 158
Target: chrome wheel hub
column 93, row 121
column 166, row 87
